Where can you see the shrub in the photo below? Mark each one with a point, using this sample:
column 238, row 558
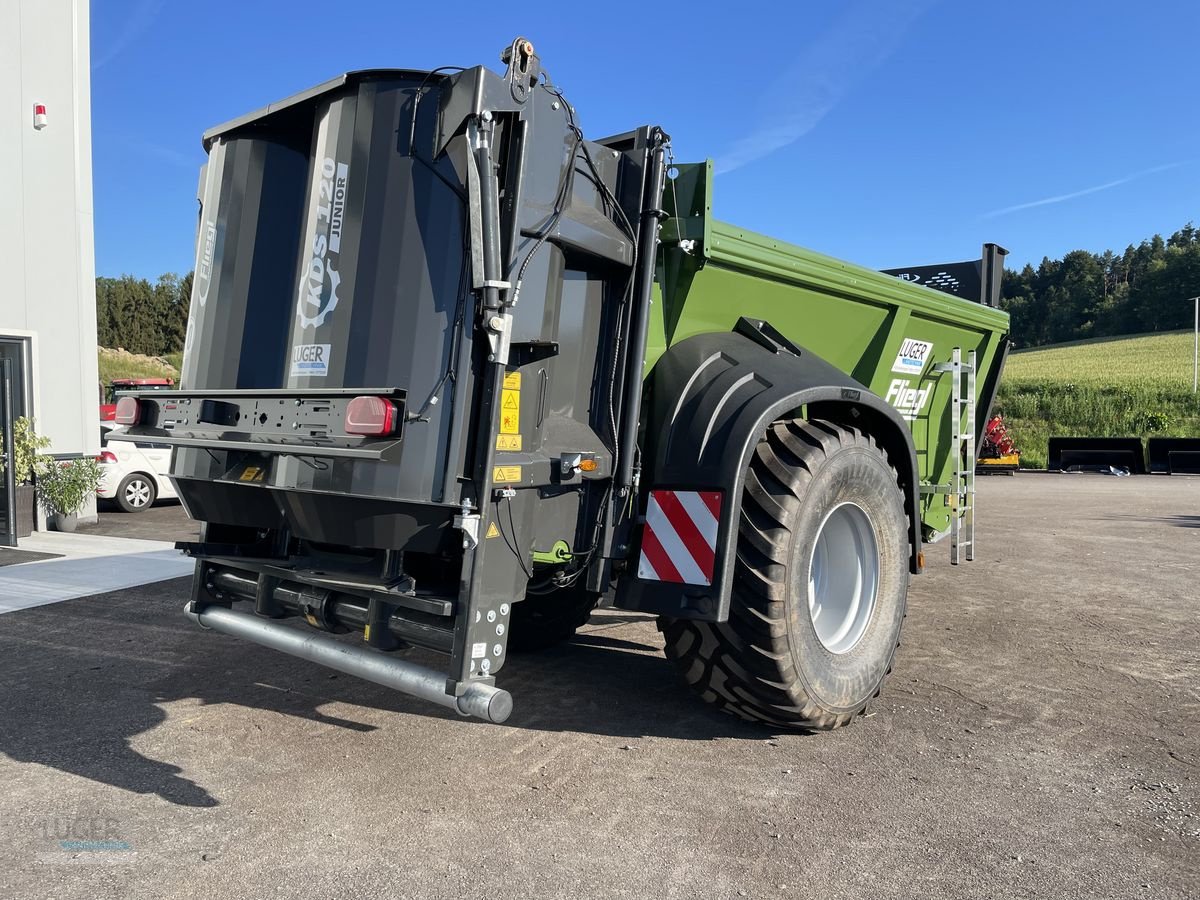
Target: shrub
column 1146, row 422
column 26, row 445
column 64, row 487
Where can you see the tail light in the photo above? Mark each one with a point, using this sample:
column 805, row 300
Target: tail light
column 106, row 456
column 371, row 416
column 129, row 411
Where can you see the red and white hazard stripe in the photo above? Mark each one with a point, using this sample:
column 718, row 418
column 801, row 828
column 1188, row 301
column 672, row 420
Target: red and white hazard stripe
column 679, row 540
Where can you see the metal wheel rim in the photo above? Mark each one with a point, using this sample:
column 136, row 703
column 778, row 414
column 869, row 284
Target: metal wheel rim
column 137, row 493
column 843, row 577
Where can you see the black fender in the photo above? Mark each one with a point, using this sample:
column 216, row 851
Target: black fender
column 710, row 399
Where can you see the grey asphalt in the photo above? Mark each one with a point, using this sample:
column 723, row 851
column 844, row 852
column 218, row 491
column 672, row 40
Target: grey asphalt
column 1039, row 737
column 164, row 521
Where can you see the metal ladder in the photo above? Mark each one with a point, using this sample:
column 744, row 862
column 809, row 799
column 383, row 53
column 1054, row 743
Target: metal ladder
column 962, row 484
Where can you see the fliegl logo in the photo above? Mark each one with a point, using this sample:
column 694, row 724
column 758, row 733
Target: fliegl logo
column 319, row 283
column 908, row 400
column 208, row 245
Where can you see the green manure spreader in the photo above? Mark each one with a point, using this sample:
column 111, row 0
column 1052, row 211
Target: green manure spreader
column 456, row 375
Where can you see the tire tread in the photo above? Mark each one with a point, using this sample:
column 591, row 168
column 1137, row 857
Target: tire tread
column 745, row 666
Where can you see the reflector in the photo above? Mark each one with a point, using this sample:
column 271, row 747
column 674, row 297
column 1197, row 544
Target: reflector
column 370, row 416
column 129, row 411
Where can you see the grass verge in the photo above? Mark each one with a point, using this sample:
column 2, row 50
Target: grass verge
column 123, row 364
column 1138, row 386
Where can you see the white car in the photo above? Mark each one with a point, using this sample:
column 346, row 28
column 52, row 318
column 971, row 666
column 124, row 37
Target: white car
column 135, row 475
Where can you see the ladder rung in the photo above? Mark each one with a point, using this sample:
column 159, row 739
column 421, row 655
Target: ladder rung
column 961, row 489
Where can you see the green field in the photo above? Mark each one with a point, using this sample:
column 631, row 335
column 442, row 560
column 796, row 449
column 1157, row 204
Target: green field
column 1139, row 385
column 1132, row 386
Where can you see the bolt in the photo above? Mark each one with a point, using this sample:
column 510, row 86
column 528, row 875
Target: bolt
column 504, row 609
column 554, row 105
column 500, row 629
column 295, row 425
column 496, row 323
column 486, row 115
column 491, row 615
column 486, row 665
column 497, row 650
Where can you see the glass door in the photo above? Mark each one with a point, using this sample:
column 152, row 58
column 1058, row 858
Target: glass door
column 15, row 401
column 16, row 350
column 8, row 486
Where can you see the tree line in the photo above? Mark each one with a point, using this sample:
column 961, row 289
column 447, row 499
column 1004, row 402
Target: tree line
column 1091, row 295
column 141, row 317
column 1082, row 295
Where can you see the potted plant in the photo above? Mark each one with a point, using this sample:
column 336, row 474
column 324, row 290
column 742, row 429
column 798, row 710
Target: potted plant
column 28, row 464
column 64, row 487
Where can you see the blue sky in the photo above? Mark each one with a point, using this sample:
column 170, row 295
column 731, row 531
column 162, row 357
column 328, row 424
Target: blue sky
column 886, row 132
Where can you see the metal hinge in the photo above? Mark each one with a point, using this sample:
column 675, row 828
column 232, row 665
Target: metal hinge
column 468, row 523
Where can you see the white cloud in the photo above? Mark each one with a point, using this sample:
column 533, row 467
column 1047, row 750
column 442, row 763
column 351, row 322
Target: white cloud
column 1095, row 189
column 825, row 71
column 135, row 25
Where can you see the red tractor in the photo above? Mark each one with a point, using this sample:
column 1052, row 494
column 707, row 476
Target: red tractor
column 997, row 452
column 108, row 398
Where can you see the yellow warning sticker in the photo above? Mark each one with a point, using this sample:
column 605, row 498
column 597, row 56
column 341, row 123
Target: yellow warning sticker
column 510, row 411
column 501, row 474
column 492, row 531
column 367, row 632
column 511, row 442
column 251, row 473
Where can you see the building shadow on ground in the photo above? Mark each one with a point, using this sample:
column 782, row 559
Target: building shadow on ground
column 84, row 678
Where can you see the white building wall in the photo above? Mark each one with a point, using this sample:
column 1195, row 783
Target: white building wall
column 47, row 290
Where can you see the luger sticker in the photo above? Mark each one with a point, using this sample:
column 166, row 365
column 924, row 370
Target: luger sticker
column 912, row 357
column 311, row 360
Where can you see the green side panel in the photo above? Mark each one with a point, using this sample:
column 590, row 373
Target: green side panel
column 853, row 317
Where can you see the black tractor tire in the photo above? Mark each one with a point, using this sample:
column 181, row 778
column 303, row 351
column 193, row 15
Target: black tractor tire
column 768, row 662
column 136, row 492
column 541, row 621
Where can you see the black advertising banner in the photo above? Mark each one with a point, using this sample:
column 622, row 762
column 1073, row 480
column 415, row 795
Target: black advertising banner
column 962, row 279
